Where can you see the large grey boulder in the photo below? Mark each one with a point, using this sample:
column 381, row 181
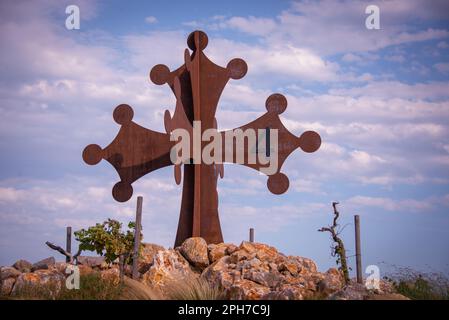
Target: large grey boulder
column 6, row 286
column 93, row 262
column 43, row 264
column 9, row 272
column 195, row 251
column 23, row 265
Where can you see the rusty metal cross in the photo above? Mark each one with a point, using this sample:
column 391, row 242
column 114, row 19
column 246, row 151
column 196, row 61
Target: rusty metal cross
column 197, row 86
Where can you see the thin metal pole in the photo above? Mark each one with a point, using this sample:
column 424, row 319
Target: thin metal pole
column 251, row 235
column 68, row 245
column 358, row 254
column 137, row 237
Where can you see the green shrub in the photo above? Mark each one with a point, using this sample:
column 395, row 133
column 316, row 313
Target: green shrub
column 108, row 239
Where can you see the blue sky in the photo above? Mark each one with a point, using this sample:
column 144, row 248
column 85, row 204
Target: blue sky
column 378, row 98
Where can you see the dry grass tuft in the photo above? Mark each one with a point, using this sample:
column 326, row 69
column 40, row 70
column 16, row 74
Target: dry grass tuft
column 193, row 288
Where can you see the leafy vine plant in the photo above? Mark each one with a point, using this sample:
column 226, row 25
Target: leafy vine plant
column 109, row 240
column 106, row 239
column 338, row 248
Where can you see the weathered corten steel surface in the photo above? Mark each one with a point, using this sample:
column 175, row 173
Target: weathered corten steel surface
column 197, row 86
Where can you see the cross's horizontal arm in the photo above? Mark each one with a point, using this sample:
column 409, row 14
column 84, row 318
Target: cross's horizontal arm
column 287, row 142
column 134, row 152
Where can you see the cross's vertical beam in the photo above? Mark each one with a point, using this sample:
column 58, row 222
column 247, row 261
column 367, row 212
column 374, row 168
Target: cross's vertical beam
column 68, row 245
column 137, row 237
column 358, row 254
column 196, row 95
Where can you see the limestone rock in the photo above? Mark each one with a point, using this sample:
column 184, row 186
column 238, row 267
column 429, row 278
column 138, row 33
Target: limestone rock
column 147, row 256
column 247, row 290
column 356, row 291
column 43, row 264
column 62, row 267
column 23, row 265
column 259, row 271
column 195, row 251
column 216, row 251
column 52, row 278
column 286, row 292
column 93, row 262
column 168, row 265
column 7, row 286
column 264, row 278
column 289, row 266
column 240, row 255
column 231, row 249
column 332, row 282
column 219, row 273
column 9, row 272
column 305, row 265
column 262, row 251
column 353, row 291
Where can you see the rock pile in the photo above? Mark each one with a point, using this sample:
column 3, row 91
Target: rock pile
column 23, row 274
column 248, row 271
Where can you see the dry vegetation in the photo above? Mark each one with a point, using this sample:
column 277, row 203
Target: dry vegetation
column 93, row 287
column 193, row 289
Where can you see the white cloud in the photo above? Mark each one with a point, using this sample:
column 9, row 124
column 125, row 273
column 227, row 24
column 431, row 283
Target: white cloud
column 396, row 89
column 306, row 186
column 442, row 67
column 251, row 24
column 389, row 204
column 396, row 58
column 350, row 57
column 389, row 180
column 442, row 45
column 151, row 20
column 330, row 27
column 287, row 60
column 10, row 195
column 364, row 158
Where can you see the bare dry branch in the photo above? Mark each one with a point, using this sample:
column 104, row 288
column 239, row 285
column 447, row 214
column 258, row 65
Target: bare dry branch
column 64, row 252
column 339, row 248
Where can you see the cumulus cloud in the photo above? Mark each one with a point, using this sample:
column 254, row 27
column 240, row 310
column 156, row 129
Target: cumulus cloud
column 442, row 67
column 251, row 24
column 330, row 27
column 424, row 205
column 151, row 19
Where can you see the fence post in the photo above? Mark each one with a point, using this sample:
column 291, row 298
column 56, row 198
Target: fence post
column 1, row 280
column 358, row 254
column 251, row 234
column 135, row 272
column 68, row 245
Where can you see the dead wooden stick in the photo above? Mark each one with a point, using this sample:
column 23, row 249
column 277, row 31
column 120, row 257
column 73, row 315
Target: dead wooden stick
column 64, row 252
column 339, row 248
